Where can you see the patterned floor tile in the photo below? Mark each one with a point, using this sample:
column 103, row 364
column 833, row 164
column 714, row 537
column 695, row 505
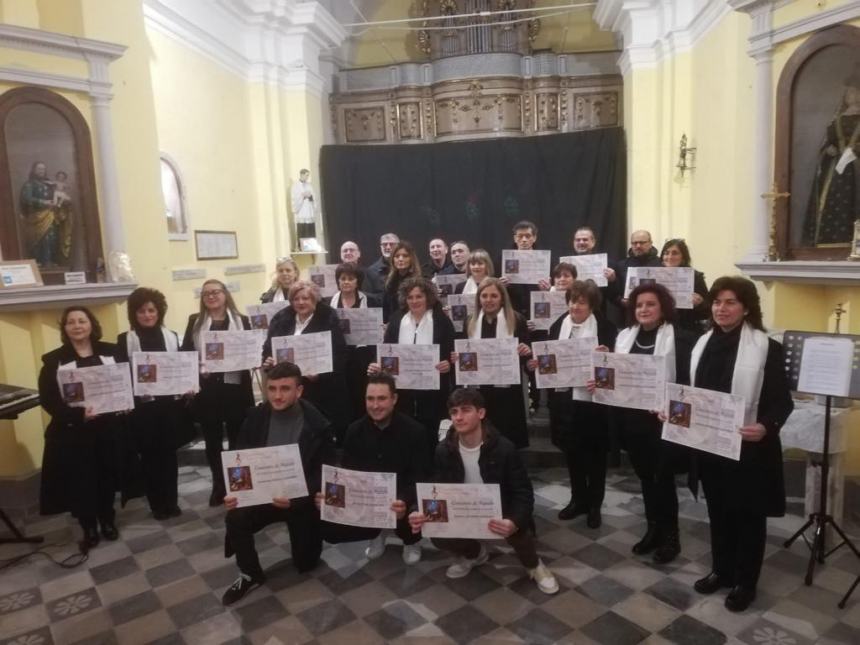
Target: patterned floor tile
column 394, row 619
column 77, row 603
column 538, row 627
column 326, row 616
column 195, row 610
column 612, row 629
column 672, row 592
column 257, row 613
column 466, row 624
column 605, row 590
column 689, row 631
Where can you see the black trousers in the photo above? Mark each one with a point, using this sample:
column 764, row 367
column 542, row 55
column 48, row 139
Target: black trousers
column 220, row 408
column 338, row 533
column 522, row 542
column 579, row 429
column 647, row 455
column 94, row 472
column 303, row 524
column 427, row 407
column 155, row 431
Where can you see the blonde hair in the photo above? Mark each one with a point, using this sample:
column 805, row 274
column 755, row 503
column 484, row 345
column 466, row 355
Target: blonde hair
column 229, row 304
column 507, row 309
column 480, row 255
column 281, row 262
column 304, row 285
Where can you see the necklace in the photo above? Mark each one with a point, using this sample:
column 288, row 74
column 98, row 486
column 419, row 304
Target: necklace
column 640, row 346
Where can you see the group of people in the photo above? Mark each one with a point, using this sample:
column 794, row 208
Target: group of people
column 357, row 417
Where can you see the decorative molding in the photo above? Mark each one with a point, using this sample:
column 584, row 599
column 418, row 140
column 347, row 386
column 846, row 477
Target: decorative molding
column 46, row 42
column 57, row 296
column 766, row 38
column 825, row 273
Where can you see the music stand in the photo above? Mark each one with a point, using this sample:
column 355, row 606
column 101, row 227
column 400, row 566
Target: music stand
column 799, row 380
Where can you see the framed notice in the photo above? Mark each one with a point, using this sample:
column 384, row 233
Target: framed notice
column 20, row 273
column 216, row 245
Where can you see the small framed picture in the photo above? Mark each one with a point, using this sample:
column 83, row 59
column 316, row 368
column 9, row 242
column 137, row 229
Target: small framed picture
column 335, row 495
column 680, row 413
column 435, row 510
column 73, row 392
column 390, row 365
column 604, row 378
column 240, row 478
column 147, row 373
column 542, row 310
column 285, row 355
column 468, row 361
column 547, row 364
column 512, row 266
column 214, row 351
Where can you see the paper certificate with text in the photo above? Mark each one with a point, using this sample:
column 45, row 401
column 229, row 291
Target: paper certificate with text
column 257, row 475
column 547, row 307
column 323, row 276
column 103, row 388
column 525, row 267
column 704, row 419
column 459, row 510
column 589, row 267
column 826, row 365
column 459, row 308
column 635, row 381
column 448, row 282
column 563, row 363
column 358, row 498
column 231, row 351
column 487, row 361
column 678, row 280
column 412, row 366
column 261, row 315
column 361, row 326
column 311, row 352
column 165, row 373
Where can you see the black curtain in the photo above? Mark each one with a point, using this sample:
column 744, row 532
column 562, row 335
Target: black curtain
column 476, row 191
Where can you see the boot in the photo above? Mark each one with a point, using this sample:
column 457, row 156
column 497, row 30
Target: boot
column 649, row 542
column 670, row 548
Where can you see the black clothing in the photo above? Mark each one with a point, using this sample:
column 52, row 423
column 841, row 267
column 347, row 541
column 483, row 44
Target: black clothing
column 428, row 407
column 355, row 369
column 391, row 296
column 269, row 295
column 522, row 542
column 694, row 319
column 328, row 392
column 374, row 278
column 615, row 291
column 430, row 270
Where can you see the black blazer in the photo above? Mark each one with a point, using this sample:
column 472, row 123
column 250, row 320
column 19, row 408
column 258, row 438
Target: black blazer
column 443, row 332
column 324, row 319
column 217, row 378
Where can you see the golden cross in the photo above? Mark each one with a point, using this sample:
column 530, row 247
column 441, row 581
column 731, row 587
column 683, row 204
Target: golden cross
column 773, row 195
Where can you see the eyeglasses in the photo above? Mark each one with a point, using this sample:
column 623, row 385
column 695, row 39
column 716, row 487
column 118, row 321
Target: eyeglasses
column 638, row 243
column 213, row 293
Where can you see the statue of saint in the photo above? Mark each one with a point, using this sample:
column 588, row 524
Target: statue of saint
column 834, row 202
column 304, row 207
column 47, row 212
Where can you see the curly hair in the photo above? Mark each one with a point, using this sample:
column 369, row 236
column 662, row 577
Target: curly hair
column 746, row 293
column 427, row 288
column 667, row 302
column 95, row 332
column 141, row 296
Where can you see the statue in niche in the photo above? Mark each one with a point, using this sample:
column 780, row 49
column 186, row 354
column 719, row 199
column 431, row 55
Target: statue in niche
column 304, row 211
column 834, row 201
column 46, row 209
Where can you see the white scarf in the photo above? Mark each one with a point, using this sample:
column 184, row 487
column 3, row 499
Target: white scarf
column 412, row 334
column 748, row 373
column 362, row 300
column 234, row 322
column 132, row 341
column 587, row 329
column 664, row 345
column 502, row 330
column 470, row 286
column 279, row 296
column 106, row 360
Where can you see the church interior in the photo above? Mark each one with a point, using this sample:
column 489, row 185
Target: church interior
column 173, row 134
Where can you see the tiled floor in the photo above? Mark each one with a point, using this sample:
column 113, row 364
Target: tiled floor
column 162, row 583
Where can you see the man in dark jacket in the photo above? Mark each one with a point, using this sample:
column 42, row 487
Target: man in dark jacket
column 284, row 419
column 376, row 273
column 386, row 441
column 438, row 264
column 474, row 453
column 641, row 254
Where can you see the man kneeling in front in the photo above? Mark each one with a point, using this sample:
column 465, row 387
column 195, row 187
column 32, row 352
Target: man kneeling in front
column 285, row 418
column 475, row 453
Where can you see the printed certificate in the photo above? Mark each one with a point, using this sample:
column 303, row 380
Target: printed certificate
column 547, row 307
column 704, row 419
column 412, row 366
column 257, row 475
column 629, row 380
column 460, row 307
column 231, row 351
column 678, row 280
column 165, row 373
column 563, row 363
column 311, row 352
column 448, row 282
column 361, row 326
column 358, row 498
column 525, row 267
column 261, row 315
column 323, row 277
column 589, row 267
column 104, row 388
column 487, row 361
column 459, row 510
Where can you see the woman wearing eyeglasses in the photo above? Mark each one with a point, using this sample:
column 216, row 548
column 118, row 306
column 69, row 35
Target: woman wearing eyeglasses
column 286, row 273
column 224, row 397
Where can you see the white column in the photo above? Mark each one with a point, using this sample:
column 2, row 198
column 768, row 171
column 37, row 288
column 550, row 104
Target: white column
column 112, row 227
column 762, row 158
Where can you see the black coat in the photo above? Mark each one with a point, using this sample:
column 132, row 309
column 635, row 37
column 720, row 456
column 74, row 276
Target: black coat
column 269, row 294
column 374, row 278
column 615, row 290
column 430, row 270
column 693, row 319
column 211, row 380
column 500, row 463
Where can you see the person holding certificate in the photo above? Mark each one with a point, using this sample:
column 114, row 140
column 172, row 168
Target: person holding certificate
column 676, row 253
column 475, row 453
column 284, row 418
column 384, row 441
column 480, row 266
column 286, row 272
column 80, row 469
column 580, row 428
column 652, row 316
column 224, row 397
column 307, row 314
column 422, row 322
column 737, row 357
column 158, row 424
column 496, row 318
column 563, row 275
column 404, row 265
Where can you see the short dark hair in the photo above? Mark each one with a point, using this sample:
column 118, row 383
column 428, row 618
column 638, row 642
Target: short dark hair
column 585, row 228
column 524, row 223
column 349, row 269
column 686, row 260
column 667, row 302
column 382, row 379
column 466, row 396
column 584, row 289
column 95, row 332
column 140, row 297
column 745, row 291
column 564, row 266
column 427, row 287
column 284, row 370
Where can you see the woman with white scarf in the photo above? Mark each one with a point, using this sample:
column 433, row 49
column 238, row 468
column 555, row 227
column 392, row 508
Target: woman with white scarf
column 224, row 398
column 480, row 266
column 286, row 273
column 737, row 357
column 495, row 318
column 157, row 423
column 651, row 314
column 580, row 428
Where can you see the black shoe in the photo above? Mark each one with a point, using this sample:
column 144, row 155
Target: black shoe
column 594, row 519
column 216, row 498
column 166, row 513
column 91, row 537
column 739, row 598
column 669, row 549
column 109, row 531
column 243, row 586
column 174, row 511
column 649, row 542
column 711, row 583
column 572, row 510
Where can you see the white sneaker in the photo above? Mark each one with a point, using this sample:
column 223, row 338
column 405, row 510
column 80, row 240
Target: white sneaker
column 546, row 582
column 412, row 553
column 463, row 566
column 376, row 547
